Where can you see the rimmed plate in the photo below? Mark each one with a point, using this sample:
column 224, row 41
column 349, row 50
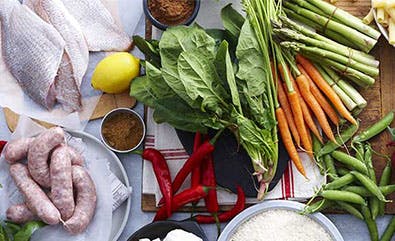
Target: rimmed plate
column 278, row 204
column 121, row 214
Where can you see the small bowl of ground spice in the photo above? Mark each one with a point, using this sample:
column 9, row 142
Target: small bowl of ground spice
column 165, row 13
column 122, row 130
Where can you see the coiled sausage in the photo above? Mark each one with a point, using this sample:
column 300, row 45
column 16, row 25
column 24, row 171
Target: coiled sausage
column 16, row 150
column 19, row 213
column 61, row 181
column 75, row 156
column 85, row 201
column 35, row 198
column 37, row 158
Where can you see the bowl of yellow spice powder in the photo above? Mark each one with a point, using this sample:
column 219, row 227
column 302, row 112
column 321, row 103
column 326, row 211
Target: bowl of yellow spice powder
column 165, row 13
column 122, row 130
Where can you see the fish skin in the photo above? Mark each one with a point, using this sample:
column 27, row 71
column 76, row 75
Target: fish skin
column 75, row 59
column 99, row 27
column 32, row 50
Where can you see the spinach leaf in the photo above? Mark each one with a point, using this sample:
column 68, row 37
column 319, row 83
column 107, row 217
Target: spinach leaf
column 180, row 115
column 142, row 91
column 27, row 230
column 225, row 71
column 251, row 65
column 232, row 21
column 198, row 75
column 149, row 48
column 176, row 40
column 217, row 34
column 156, row 82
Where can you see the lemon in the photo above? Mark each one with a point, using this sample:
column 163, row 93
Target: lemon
column 114, row 73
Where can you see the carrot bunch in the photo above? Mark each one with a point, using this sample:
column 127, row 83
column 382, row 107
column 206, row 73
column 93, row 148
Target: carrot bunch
column 303, row 96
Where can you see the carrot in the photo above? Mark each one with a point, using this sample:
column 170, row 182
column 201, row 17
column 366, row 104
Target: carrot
column 287, row 140
column 282, row 98
column 298, row 116
column 331, row 113
column 303, row 84
column 306, row 113
column 325, row 88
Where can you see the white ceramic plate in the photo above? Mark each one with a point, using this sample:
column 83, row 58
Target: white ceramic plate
column 278, row 204
column 120, row 215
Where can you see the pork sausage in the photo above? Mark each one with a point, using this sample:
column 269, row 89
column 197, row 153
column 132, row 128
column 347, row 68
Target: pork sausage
column 37, row 157
column 76, row 157
column 61, row 181
column 35, row 198
column 85, row 202
column 19, row 213
column 16, row 150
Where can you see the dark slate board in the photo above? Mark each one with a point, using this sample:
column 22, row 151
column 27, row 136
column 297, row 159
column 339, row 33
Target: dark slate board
column 234, row 167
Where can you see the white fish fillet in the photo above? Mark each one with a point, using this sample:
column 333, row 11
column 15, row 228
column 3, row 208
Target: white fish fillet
column 32, row 50
column 100, row 30
column 76, row 56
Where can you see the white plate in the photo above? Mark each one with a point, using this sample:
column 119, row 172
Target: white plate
column 278, row 204
column 120, row 215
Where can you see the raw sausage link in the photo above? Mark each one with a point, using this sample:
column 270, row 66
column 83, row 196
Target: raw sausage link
column 61, row 182
column 86, row 201
column 19, row 213
column 35, row 197
column 16, row 150
column 76, row 157
column 37, row 158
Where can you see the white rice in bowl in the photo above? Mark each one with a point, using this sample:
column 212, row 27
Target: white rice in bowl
column 280, row 225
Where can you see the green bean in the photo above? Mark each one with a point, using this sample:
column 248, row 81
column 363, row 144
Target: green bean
column 375, row 128
column 350, row 161
column 340, row 139
column 317, row 206
column 337, row 195
column 372, row 227
column 316, row 148
column 342, row 171
column 389, row 231
column 365, row 192
column 370, row 185
column 330, row 167
column 340, row 182
column 350, row 208
column 384, row 180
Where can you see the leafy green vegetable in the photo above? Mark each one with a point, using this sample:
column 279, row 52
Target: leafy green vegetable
column 232, row 21
column 27, row 230
column 3, row 234
column 11, row 228
column 149, row 48
column 142, row 91
column 225, row 71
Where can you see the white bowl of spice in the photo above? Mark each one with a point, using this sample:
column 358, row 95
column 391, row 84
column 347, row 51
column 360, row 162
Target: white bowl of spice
column 279, row 220
column 122, row 130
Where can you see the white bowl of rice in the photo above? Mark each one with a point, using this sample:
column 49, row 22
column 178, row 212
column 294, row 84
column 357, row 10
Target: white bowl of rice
column 279, row 221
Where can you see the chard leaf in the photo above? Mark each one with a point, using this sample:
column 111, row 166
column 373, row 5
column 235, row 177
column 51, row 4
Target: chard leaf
column 180, row 115
column 225, row 71
column 142, row 91
column 232, row 21
column 174, row 41
column 198, row 75
column 157, row 83
column 149, row 48
column 251, row 65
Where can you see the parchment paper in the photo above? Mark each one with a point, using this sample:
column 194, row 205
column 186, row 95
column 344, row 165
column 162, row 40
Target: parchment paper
column 98, row 229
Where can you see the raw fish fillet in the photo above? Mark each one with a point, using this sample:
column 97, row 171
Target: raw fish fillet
column 76, row 56
column 99, row 28
column 32, row 50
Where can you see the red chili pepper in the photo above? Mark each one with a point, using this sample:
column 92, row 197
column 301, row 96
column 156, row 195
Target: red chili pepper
column 162, row 174
column 225, row 216
column 181, row 199
column 2, row 144
column 195, row 175
column 208, row 179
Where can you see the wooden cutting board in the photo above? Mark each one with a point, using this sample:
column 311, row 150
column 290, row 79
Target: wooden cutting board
column 106, row 103
column 380, row 100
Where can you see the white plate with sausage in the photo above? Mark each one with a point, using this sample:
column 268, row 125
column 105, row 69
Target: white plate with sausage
column 121, row 214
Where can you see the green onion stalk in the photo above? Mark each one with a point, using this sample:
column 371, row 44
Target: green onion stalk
column 259, row 14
